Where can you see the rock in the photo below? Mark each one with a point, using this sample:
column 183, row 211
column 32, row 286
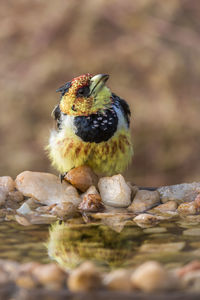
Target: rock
column 161, row 248
column 82, row 178
column 92, row 190
column 3, row 195
column 197, row 201
column 114, row 191
column 134, row 189
column 151, row 277
column 155, row 230
column 185, row 192
column 147, row 220
column 24, row 209
column 22, row 220
column 191, row 281
column 91, row 203
column 187, row 208
column 46, row 188
column 168, row 206
column 49, row 275
column 7, row 184
column 144, row 200
column 26, row 281
column 84, row 278
column 15, row 196
column 192, row 232
column 3, row 278
column 118, row 280
column 190, row 267
column 35, row 218
column 65, row 209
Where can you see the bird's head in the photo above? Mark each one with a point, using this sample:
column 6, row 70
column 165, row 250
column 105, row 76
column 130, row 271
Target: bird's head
column 85, row 95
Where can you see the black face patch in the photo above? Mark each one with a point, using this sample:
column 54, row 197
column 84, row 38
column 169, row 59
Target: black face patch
column 97, row 127
column 83, row 91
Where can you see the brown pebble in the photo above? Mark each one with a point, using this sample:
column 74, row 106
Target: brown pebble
column 151, row 276
column 16, row 196
column 187, row 208
column 82, row 178
column 192, row 266
column 49, row 275
column 92, row 202
column 118, row 280
column 84, row 278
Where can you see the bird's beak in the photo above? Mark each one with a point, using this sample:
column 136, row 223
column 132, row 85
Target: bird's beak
column 97, row 82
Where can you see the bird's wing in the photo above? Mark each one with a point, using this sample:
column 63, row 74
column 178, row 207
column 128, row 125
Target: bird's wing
column 121, row 103
column 56, row 114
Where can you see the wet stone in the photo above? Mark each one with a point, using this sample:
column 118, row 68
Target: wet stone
column 82, row 178
column 147, row 220
column 91, row 202
column 46, row 188
column 187, row 208
column 168, row 206
column 185, row 192
column 151, row 276
column 15, row 196
column 192, row 232
column 144, row 200
column 160, row 248
column 118, row 280
column 114, row 191
column 7, row 184
column 84, row 278
column 155, row 230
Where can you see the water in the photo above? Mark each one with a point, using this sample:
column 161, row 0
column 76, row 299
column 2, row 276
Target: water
column 172, row 243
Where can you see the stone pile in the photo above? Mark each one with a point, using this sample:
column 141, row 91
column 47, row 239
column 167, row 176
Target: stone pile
column 40, row 198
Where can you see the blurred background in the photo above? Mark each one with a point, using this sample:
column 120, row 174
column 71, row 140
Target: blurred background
column 150, row 48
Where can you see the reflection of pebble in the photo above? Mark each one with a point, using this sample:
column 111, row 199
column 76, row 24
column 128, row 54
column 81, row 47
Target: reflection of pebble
column 155, row 230
column 192, row 231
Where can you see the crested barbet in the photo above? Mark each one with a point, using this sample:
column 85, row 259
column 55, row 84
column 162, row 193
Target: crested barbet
column 92, row 127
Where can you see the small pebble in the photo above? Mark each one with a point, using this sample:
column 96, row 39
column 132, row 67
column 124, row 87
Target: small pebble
column 7, row 184
column 147, row 220
column 65, row 209
column 185, row 192
column 46, row 188
column 118, row 280
column 92, row 203
column 144, row 200
column 49, row 275
column 114, row 191
column 82, row 178
column 84, row 278
column 167, row 206
column 161, row 248
column 24, row 209
column 192, row 232
column 187, row 208
column 3, row 195
column 190, row 267
column 151, row 277
column 15, row 196
column 92, row 190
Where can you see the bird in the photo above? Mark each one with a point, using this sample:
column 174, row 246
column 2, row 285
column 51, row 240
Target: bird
column 92, row 128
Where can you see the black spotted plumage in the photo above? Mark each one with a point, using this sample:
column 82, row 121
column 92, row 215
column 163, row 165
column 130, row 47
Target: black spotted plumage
column 98, row 127
column 123, row 105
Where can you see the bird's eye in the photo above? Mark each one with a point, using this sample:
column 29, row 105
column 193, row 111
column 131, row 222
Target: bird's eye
column 83, row 91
